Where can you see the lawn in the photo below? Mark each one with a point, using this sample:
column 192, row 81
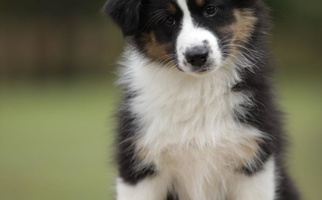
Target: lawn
column 55, row 138
column 55, row 141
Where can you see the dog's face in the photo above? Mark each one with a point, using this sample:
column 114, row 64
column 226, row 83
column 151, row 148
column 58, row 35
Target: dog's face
column 195, row 36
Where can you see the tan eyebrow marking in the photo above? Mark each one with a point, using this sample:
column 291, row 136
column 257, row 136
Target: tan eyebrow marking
column 244, row 26
column 241, row 29
column 153, row 47
column 172, row 9
column 200, row 2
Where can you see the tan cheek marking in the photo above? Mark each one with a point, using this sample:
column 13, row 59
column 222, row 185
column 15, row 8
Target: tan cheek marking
column 200, row 2
column 244, row 26
column 242, row 29
column 154, row 48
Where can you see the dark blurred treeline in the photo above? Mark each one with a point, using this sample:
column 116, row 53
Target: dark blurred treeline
column 46, row 38
column 57, row 9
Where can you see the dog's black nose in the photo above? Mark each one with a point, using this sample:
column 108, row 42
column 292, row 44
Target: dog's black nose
column 197, row 56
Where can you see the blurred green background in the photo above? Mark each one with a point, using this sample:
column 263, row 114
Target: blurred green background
column 57, row 96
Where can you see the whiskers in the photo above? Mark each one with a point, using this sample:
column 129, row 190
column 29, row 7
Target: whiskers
column 167, row 60
column 240, row 52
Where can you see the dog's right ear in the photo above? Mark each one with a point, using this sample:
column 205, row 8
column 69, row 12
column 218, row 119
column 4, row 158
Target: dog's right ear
column 125, row 13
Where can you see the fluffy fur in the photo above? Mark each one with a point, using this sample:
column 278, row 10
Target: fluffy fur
column 198, row 119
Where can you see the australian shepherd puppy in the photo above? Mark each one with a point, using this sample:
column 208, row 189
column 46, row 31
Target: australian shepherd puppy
column 198, row 119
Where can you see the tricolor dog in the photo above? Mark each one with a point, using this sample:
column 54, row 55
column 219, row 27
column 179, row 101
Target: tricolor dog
column 198, row 119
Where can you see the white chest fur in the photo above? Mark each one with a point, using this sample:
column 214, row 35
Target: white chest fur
column 188, row 130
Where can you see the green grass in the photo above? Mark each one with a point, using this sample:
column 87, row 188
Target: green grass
column 55, row 138
column 55, row 141
column 302, row 102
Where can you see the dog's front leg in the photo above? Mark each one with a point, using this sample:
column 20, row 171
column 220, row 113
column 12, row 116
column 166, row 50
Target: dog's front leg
column 151, row 188
column 259, row 186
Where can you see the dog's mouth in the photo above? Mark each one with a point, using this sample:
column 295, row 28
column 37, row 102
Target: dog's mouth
column 206, row 68
column 197, row 71
column 203, row 70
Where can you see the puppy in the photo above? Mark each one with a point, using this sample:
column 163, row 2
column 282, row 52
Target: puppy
column 198, row 119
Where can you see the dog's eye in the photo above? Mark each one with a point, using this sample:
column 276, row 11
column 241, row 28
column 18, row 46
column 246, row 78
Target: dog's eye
column 170, row 21
column 210, row 11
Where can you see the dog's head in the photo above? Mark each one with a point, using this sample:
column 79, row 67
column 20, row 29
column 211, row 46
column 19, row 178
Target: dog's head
column 196, row 36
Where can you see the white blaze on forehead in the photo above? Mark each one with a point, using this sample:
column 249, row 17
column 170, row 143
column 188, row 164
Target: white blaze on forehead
column 187, row 19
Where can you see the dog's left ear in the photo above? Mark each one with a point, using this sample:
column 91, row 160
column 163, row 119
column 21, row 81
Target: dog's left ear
column 125, row 13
